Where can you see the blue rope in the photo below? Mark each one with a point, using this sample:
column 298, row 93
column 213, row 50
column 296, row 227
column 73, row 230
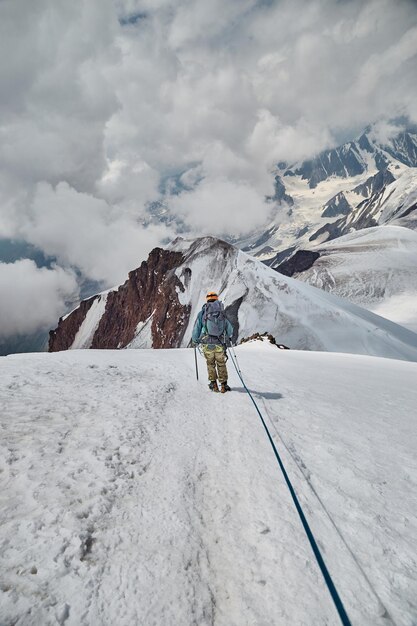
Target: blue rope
column 328, row 579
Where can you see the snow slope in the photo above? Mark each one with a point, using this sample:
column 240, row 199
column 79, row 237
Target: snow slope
column 132, row 495
column 395, row 203
column 87, row 329
column 400, row 308
column 397, row 199
column 300, row 316
column 259, row 299
column 375, row 268
column 306, row 221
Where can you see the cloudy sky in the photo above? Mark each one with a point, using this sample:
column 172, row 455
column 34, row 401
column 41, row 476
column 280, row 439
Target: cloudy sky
column 104, row 103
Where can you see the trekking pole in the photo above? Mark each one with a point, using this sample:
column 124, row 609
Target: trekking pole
column 225, row 341
column 196, row 365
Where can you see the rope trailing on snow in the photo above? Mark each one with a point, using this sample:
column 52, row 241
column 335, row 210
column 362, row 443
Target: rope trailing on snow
column 316, row 550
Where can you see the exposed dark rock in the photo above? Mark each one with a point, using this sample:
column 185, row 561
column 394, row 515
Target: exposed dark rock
column 232, row 315
column 338, row 205
column 336, row 229
column 302, row 232
column 344, row 161
column 262, row 239
column 361, row 218
column 366, row 213
column 280, row 194
column 261, row 337
column 151, row 290
column 410, row 209
column 302, row 260
column 63, row 336
column 263, row 251
column 279, row 257
column 375, row 183
column 347, row 160
column 381, row 161
column 403, row 147
column 364, row 143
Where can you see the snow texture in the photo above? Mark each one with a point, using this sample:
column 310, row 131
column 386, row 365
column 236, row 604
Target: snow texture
column 85, row 334
column 375, row 268
column 305, row 217
column 130, row 494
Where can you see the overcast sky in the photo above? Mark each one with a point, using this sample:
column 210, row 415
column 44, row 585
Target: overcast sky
column 102, row 100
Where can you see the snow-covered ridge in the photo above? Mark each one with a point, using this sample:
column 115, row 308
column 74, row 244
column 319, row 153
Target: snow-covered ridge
column 375, row 268
column 257, row 299
column 394, row 203
column 357, row 157
column 339, row 190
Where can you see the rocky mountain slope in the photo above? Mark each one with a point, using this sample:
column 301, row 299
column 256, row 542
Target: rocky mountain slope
column 392, row 203
column 157, row 305
column 358, row 157
column 360, row 184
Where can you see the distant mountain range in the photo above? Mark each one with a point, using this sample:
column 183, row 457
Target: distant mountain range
column 341, row 248
column 358, row 185
column 358, row 157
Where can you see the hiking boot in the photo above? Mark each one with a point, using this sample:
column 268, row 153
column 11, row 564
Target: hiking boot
column 225, row 387
column 213, row 386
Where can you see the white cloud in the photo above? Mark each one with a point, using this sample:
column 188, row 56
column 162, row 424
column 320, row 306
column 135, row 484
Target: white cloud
column 87, row 233
column 235, row 87
column 32, row 298
column 383, row 132
column 194, row 21
column 103, row 99
column 129, row 184
column 218, row 206
column 271, row 141
column 380, row 66
column 54, row 97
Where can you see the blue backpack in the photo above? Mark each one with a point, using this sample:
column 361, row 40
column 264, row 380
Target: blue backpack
column 214, row 318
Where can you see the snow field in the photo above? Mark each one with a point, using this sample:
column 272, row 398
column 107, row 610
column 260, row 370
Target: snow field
column 375, row 268
column 130, row 494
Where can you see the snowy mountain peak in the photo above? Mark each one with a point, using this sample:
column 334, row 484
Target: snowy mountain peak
column 157, row 305
column 375, row 183
column 365, row 154
column 363, row 183
column 338, row 205
column 388, row 202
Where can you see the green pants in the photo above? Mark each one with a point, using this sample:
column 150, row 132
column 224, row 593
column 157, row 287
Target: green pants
column 215, row 358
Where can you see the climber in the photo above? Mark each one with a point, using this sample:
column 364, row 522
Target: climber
column 214, row 331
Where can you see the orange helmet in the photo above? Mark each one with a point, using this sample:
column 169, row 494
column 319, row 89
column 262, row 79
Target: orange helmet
column 211, row 296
